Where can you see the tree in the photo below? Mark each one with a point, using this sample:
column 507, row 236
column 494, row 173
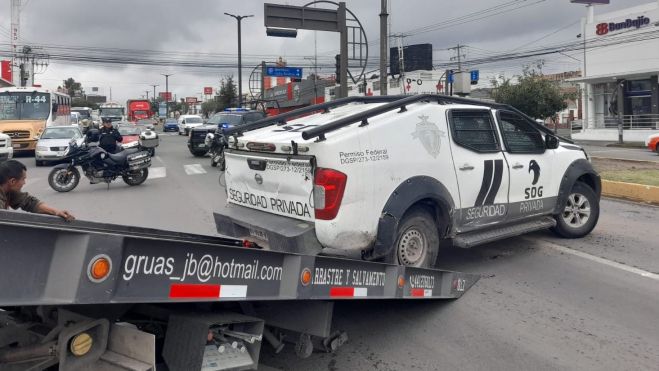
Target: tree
column 531, row 94
column 83, row 103
column 72, row 87
column 228, row 95
column 208, row 108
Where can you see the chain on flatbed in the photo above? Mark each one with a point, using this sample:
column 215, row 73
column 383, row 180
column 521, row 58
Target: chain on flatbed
column 46, row 261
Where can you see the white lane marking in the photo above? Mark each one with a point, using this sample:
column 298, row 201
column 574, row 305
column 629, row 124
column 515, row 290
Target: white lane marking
column 597, row 259
column 160, row 160
column 157, row 172
column 194, row 169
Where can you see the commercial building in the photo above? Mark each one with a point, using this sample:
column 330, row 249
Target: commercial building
column 621, row 65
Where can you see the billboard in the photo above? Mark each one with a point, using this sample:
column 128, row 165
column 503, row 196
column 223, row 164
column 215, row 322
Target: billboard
column 208, row 90
column 191, row 100
column 167, row 96
column 6, row 70
column 415, row 57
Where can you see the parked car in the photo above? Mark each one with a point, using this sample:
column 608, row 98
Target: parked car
column 652, row 142
column 53, row 142
column 187, row 122
column 6, row 150
column 170, row 125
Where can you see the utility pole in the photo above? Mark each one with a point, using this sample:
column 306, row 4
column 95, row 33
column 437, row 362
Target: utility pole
column 383, row 47
column 459, row 56
column 343, row 67
column 166, row 93
column 239, row 18
column 17, row 74
column 147, row 94
column 314, row 60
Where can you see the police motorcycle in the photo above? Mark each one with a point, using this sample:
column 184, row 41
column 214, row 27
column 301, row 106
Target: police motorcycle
column 98, row 165
column 216, row 142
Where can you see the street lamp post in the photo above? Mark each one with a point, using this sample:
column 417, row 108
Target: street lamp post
column 154, row 91
column 239, row 18
column 166, row 93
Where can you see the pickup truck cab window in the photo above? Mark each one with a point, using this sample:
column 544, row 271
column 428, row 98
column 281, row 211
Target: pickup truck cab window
column 474, row 130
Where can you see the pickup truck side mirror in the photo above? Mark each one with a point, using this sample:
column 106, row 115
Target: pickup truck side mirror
column 551, row 142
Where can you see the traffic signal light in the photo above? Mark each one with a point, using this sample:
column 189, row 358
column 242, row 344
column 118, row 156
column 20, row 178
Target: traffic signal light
column 338, row 68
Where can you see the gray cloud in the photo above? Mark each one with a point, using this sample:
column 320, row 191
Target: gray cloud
column 201, row 26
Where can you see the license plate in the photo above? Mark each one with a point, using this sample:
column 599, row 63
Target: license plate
column 201, row 145
column 258, row 233
column 16, row 145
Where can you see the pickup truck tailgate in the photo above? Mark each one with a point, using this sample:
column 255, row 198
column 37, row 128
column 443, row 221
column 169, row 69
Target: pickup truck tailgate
column 277, row 184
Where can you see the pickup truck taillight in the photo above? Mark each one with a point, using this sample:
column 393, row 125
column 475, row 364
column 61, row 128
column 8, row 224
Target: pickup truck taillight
column 328, row 190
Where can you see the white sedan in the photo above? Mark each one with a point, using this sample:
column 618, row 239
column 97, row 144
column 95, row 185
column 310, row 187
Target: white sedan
column 53, row 143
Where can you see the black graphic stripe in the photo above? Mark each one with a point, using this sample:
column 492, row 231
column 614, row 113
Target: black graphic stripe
column 487, row 182
column 496, row 182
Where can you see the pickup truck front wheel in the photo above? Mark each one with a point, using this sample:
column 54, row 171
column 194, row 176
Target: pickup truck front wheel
column 579, row 214
column 417, row 239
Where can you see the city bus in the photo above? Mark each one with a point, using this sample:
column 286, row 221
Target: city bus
column 26, row 111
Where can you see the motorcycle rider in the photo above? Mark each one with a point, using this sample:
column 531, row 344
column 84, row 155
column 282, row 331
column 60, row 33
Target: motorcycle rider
column 108, row 136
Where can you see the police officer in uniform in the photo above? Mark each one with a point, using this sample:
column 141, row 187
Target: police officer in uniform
column 108, row 136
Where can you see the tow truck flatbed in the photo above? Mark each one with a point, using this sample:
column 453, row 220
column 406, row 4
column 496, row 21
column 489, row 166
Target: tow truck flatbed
column 49, row 263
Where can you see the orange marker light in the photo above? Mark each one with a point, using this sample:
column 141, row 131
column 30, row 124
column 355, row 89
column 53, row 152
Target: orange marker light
column 100, row 268
column 305, row 277
column 401, row 281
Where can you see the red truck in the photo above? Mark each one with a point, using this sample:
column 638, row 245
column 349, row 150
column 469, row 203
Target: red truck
column 138, row 109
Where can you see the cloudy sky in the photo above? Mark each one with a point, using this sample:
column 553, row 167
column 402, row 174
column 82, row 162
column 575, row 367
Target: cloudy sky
column 197, row 31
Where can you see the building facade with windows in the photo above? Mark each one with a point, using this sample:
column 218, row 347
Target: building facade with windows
column 621, row 65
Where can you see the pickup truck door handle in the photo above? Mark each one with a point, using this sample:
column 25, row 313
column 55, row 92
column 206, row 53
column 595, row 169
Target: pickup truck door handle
column 466, row 167
column 518, row 166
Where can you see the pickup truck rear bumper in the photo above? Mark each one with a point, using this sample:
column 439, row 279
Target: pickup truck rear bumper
column 277, row 232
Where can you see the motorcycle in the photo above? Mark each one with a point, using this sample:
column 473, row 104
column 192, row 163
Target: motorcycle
column 216, row 143
column 98, row 165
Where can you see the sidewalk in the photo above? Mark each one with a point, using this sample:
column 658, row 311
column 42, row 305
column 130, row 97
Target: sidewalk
column 608, row 143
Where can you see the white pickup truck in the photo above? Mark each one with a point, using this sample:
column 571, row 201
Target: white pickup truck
column 389, row 178
column 6, row 149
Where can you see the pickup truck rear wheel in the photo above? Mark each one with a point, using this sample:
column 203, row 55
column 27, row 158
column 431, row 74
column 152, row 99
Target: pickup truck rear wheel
column 579, row 214
column 417, row 239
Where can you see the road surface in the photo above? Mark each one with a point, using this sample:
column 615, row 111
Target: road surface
column 543, row 303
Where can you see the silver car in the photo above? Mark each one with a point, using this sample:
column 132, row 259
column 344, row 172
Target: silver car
column 53, row 143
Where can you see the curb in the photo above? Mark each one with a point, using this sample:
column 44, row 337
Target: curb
column 631, row 191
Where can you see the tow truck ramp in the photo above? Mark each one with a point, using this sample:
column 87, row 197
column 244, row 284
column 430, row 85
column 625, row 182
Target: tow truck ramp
column 94, row 296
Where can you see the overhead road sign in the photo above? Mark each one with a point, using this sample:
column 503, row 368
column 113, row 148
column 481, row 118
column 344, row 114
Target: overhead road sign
column 295, row 72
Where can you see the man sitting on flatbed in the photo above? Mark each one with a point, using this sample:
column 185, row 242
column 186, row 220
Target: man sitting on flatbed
column 12, row 179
